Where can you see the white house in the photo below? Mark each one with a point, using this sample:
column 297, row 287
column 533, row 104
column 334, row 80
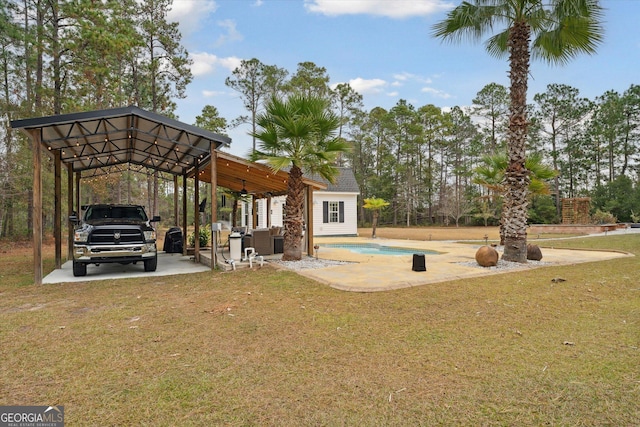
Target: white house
column 335, row 210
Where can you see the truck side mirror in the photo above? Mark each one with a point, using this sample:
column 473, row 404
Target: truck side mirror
column 73, row 218
column 155, row 218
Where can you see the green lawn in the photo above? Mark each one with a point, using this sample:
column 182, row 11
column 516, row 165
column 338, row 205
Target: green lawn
column 266, row 347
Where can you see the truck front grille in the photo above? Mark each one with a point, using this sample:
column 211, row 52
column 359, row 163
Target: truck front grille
column 108, row 237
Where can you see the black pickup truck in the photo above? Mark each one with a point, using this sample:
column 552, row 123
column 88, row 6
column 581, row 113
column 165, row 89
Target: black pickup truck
column 113, row 233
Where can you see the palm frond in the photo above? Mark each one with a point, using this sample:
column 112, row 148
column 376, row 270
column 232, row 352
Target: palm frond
column 469, row 21
column 497, row 46
column 572, row 27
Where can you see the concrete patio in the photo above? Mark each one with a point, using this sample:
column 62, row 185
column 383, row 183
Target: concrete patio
column 371, row 273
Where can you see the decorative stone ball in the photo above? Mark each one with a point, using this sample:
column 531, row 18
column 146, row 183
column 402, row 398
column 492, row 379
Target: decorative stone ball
column 486, row 256
column 534, row 253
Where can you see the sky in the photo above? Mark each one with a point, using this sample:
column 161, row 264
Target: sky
column 383, row 48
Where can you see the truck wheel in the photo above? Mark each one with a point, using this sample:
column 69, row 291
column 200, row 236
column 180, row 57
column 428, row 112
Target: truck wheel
column 151, row 264
column 79, row 269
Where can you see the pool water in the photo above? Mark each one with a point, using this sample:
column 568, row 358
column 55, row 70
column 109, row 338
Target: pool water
column 375, row 249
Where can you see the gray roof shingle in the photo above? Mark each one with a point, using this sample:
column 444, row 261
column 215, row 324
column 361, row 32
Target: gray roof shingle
column 345, row 182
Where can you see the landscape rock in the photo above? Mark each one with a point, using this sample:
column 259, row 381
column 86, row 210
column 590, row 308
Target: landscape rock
column 534, row 253
column 486, row 256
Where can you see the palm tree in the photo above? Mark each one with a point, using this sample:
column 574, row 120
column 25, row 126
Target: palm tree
column 553, row 30
column 298, row 133
column 375, row 204
column 490, row 174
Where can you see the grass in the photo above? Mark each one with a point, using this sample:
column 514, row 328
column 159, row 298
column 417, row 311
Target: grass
column 268, row 347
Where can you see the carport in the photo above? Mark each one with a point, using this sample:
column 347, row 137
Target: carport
column 100, row 142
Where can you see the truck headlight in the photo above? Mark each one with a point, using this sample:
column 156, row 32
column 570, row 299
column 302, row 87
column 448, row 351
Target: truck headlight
column 81, row 236
column 150, row 235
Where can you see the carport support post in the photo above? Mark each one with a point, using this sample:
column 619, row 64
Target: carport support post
column 175, row 201
column 69, row 210
column 214, row 203
column 196, row 214
column 57, row 207
column 37, row 205
column 184, row 215
column 78, row 206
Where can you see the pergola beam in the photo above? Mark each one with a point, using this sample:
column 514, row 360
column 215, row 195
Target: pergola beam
column 214, row 206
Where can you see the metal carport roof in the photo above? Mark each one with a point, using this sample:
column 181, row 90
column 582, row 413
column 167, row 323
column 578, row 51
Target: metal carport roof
column 108, row 141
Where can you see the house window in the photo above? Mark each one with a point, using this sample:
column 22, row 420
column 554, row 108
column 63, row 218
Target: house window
column 332, row 212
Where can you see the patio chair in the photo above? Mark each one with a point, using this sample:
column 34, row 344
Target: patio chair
column 260, row 240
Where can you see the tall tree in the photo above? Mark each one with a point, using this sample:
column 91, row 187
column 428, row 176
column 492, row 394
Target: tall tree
column 631, row 128
column 162, row 68
column 162, row 64
column 435, row 126
column 255, row 82
column 12, row 88
column 491, row 105
column 310, row 80
column 298, row 133
column 404, row 146
column 607, row 126
column 461, row 143
column 210, row 120
column 103, row 39
column 560, row 111
column 348, row 103
column 555, row 31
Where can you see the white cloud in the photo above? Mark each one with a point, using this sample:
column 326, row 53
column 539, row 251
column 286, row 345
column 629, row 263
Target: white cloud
column 212, row 93
column 405, row 77
column 396, row 9
column 207, row 63
column 364, row 86
column 190, row 13
column 435, row 92
column 232, row 34
column 402, row 76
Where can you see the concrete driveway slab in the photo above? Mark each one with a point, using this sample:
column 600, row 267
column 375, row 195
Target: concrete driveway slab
column 168, row 264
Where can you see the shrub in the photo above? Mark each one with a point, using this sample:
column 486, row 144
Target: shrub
column 600, row 217
column 205, row 232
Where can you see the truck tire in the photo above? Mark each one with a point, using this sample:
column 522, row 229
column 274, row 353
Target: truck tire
column 79, row 269
column 151, row 264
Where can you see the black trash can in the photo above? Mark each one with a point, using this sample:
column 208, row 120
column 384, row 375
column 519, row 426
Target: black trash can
column 173, row 241
column 278, row 244
column 419, row 263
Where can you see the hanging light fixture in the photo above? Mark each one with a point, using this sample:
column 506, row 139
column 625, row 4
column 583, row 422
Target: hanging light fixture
column 244, row 190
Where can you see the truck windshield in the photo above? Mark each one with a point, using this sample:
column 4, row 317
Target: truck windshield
column 135, row 213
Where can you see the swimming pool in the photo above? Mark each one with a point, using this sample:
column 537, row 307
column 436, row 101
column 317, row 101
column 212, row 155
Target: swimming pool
column 376, row 249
